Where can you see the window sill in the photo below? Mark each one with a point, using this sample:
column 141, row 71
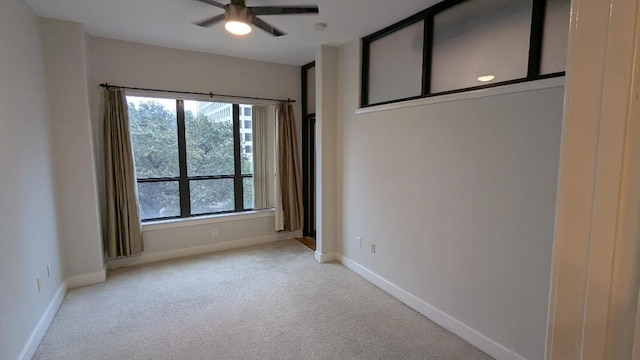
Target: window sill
column 474, row 94
column 209, row 219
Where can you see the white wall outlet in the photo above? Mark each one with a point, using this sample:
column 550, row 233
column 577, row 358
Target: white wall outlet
column 49, row 270
column 214, row 232
column 373, row 248
column 39, row 282
column 359, row 241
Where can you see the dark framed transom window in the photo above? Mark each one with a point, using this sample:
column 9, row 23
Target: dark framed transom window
column 462, row 45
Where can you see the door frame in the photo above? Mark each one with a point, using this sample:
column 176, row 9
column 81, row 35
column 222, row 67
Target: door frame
column 593, row 301
column 308, row 157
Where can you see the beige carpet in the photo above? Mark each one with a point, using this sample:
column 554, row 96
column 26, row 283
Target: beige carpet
column 264, row 302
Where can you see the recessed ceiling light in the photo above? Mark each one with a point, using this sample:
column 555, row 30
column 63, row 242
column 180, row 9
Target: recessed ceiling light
column 485, row 78
column 237, row 27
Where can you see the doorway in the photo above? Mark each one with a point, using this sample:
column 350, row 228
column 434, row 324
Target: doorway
column 309, row 154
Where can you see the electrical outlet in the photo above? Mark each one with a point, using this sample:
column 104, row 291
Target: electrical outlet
column 49, row 270
column 39, row 282
column 373, row 248
column 359, row 241
column 214, row 232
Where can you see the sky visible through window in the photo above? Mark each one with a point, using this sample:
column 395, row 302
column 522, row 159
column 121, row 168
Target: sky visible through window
column 166, row 103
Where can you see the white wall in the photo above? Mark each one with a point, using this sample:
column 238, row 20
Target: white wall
column 76, row 186
column 326, row 80
column 137, row 65
column 28, row 231
column 459, row 198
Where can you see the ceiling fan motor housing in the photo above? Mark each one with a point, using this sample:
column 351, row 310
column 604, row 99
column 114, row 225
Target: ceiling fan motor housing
column 238, row 13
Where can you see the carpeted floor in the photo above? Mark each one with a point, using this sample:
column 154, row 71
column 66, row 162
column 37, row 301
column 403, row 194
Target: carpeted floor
column 264, row 302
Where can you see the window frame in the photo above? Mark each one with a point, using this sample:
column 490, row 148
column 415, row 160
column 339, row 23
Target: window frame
column 183, row 179
column 533, row 66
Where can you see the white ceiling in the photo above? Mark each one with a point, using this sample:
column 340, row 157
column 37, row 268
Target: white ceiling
column 169, row 23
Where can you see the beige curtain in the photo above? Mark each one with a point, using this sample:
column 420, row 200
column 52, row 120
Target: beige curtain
column 288, row 172
column 261, row 173
column 123, row 232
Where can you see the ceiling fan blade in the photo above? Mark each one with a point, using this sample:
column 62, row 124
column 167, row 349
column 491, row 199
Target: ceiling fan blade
column 266, row 26
column 212, row 2
column 210, row 21
column 284, row 10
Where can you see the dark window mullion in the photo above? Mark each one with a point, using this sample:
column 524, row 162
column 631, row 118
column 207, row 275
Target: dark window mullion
column 211, row 177
column 185, row 202
column 535, row 39
column 366, row 58
column 427, row 51
column 237, row 179
column 163, row 179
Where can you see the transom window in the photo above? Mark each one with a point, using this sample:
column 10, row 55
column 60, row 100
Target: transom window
column 462, row 45
column 190, row 158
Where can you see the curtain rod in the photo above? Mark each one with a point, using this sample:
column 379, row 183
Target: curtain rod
column 210, row 94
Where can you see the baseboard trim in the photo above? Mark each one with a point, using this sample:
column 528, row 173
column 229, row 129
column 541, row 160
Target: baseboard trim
column 86, row 279
column 443, row 319
column 194, row 250
column 325, row 258
column 45, row 320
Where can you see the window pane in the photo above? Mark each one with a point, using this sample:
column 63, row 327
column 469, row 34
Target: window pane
column 556, row 36
column 209, row 135
column 209, row 196
column 154, row 136
column 247, row 124
column 395, row 65
column 158, row 199
column 247, row 188
column 480, row 39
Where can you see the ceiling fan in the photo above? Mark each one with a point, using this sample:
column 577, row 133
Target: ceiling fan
column 238, row 17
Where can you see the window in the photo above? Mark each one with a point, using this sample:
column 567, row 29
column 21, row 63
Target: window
column 460, row 45
column 247, row 136
column 248, row 149
column 186, row 160
column 247, row 124
column 394, row 61
column 247, row 111
column 474, row 39
column 554, row 48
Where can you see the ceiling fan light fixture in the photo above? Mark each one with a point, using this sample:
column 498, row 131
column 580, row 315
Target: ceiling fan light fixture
column 237, row 19
column 240, row 19
column 237, row 27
